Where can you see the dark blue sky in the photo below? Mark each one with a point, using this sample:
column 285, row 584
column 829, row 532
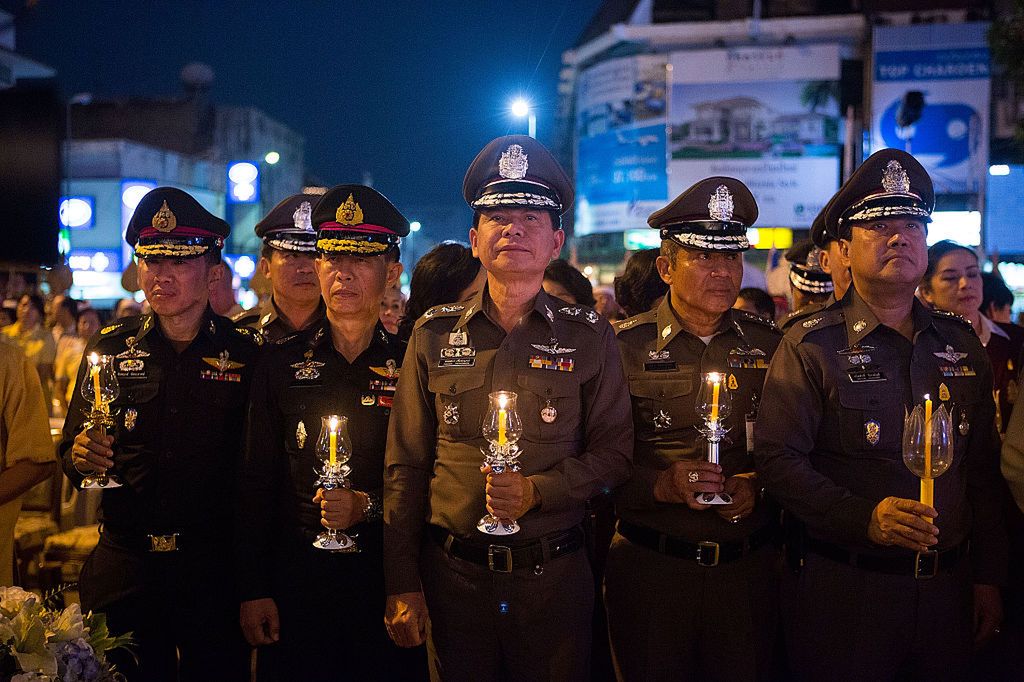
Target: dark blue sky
column 407, row 89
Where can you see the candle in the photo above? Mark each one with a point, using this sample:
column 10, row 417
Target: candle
column 502, row 419
column 333, row 426
column 927, row 482
column 94, row 371
column 717, row 379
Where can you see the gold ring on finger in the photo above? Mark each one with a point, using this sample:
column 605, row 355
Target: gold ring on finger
column 693, row 477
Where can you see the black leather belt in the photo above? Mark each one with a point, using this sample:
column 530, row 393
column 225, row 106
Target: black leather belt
column 920, row 565
column 704, row 552
column 154, row 542
column 507, row 558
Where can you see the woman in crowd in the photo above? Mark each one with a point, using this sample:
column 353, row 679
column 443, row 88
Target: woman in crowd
column 445, row 274
column 953, row 282
column 70, row 350
column 563, row 281
column 35, row 341
column 640, row 288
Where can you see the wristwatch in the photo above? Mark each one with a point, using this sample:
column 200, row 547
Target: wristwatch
column 372, row 510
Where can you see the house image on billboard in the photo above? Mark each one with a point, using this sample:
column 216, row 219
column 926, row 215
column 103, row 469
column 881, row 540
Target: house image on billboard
column 736, row 122
column 746, row 127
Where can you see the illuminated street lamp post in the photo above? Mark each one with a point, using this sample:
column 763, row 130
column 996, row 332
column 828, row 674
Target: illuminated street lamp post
column 521, row 108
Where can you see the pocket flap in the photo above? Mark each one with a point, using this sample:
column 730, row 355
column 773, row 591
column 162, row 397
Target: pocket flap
column 548, row 386
column 454, row 383
column 658, row 388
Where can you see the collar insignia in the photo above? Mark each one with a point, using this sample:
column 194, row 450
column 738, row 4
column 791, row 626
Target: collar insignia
column 811, row 322
column 859, row 325
column 571, row 310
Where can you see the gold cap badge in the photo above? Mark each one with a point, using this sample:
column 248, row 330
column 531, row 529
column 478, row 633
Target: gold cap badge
column 349, row 213
column 164, row 220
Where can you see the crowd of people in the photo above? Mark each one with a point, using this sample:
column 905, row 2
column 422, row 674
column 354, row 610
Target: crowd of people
column 542, row 479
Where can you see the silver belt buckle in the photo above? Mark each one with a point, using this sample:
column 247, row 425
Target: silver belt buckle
column 163, row 543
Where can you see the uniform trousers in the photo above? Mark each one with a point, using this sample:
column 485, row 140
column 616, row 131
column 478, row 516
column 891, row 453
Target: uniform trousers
column 331, row 608
column 670, row 618
column 846, row 623
column 179, row 606
column 528, row 625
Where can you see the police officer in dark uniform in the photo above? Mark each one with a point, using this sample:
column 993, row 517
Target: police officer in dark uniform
column 889, row 587
column 517, row 606
column 323, row 609
column 829, row 260
column 691, row 588
column 286, row 260
column 809, row 284
column 162, row 568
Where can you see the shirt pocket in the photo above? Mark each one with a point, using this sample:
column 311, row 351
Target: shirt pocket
column 869, row 425
column 460, row 402
column 662, row 405
column 536, row 393
column 135, row 407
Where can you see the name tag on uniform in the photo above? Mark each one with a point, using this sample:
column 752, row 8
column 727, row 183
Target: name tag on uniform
column 864, row 375
column 459, row 356
column 957, row 371
column 660, row 366
column 748, row 358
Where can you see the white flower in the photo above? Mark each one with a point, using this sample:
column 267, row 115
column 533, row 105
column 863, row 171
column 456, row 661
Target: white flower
column 13, row 598
column 68, row 625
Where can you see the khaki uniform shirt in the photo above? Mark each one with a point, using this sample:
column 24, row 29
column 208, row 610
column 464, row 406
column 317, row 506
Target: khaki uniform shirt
column 828, row 438
column 559, row 356
column 665, row 366
column 267, row 320
column 24, row 435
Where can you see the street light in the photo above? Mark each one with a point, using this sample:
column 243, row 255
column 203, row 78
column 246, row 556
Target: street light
column 272, row 158
column 521, row 108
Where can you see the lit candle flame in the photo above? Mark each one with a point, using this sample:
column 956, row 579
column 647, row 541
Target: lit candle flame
column 94, row 359
column 715, row 377
column 333, row 424
column 502, row 401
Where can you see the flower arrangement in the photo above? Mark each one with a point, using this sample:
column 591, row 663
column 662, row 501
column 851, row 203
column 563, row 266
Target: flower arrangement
column 42, row 643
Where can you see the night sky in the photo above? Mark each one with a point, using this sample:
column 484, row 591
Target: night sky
column 408, row 90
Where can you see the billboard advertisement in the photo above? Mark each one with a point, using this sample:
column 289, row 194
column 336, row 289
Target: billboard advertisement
column 621, row 175
column 768, row 116
column 937, row 74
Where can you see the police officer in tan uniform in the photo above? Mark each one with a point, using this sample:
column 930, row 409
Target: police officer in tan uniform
column 887, row 586
column 690, row 587
column 286, row 260
column 516, row 606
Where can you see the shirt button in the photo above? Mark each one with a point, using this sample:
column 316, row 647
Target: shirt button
column 174, row 410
